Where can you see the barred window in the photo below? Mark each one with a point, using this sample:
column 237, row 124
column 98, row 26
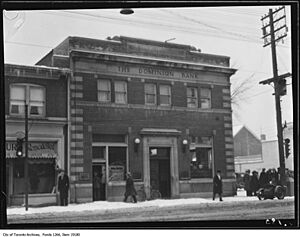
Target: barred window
column 201, row 157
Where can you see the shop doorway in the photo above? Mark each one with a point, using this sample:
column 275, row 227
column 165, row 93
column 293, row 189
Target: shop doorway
column 160, row 170
column 99, row 182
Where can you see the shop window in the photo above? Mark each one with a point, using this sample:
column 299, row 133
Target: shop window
column 165, row 95
column 41, row 176
column 104, row 91
column 201, row 158
column 150, row 94
column 205, row 98
column 120, row 92
column 34, row 95
column 117, row 163
column 192, row 97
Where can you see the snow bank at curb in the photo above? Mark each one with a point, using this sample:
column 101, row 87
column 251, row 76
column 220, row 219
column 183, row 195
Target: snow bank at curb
column 106, row 206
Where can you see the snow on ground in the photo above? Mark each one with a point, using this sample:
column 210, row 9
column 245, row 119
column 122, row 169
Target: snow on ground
column 105, row 205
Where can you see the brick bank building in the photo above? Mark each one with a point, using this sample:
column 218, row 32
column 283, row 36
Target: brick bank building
column 159, row 110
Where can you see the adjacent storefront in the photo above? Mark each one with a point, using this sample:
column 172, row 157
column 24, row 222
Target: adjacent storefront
column 45, row 157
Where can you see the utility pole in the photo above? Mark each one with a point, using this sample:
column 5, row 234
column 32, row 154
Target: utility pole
column 26, row 157
column 271, row 35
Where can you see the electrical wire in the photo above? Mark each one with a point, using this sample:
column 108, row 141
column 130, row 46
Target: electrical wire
column 27, row 44
column 176, row 28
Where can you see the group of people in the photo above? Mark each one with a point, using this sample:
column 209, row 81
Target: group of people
column 63, row 188
column 252, row 183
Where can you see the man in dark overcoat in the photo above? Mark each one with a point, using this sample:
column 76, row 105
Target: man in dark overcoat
column 263, row 178
column 217, row 185
column 130, row 190
column 254, row 183
column 63, row 188
column 246, row 180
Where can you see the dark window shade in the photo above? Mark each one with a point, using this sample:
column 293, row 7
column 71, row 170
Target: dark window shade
column 108, row 138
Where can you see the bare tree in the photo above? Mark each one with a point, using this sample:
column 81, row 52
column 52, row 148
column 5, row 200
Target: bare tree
column 239, row 90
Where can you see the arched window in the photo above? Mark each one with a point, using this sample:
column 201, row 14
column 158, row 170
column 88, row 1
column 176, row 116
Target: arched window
column 33, row 95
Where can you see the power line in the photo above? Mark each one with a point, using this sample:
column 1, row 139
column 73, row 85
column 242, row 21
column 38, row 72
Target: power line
column 27, row 44
column 176, row 28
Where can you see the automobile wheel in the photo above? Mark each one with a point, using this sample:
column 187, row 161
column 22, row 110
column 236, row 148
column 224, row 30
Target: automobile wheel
column 155, row 194
column 141, row 195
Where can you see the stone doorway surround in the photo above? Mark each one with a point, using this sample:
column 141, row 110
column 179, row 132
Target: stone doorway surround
column 153, row 137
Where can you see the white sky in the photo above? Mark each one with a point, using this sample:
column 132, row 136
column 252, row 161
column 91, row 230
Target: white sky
column 231, row 31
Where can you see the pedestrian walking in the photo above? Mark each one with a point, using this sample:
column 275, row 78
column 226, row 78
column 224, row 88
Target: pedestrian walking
column 102, row 184
column 63, row 187
column 246, row 180
column 254, row 183
column 263, row 178
column 130, row 190
column 217, row 185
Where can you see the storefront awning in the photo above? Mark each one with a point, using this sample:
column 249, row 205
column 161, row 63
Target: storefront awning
column 36, row 150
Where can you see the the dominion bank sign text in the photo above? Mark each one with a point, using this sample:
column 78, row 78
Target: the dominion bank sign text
column 151, row 71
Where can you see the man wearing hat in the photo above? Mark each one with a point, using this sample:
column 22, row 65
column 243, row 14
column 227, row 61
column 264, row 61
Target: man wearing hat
column 63, row 187
column 217, row 185
column 130, row 190
column 246, row 180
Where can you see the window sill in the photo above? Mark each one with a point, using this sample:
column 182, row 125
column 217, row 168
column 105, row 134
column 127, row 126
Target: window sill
column 23, row 115
column 116, row 183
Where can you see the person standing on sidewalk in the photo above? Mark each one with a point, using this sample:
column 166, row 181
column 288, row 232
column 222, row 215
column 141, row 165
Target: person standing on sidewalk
column 217, row 185
column 263, row 178
column 254, row 183
column 96, row 186
column 63, row 188
column 246, row 180
column 130, row 190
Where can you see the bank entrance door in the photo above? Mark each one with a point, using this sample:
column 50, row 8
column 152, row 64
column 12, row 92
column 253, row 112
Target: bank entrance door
column 160, row 170
column 99, row 182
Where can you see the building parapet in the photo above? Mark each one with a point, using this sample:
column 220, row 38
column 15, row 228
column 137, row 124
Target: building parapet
column 36, row 71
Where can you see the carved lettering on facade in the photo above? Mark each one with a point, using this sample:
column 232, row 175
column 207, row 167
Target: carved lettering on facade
column 189, row 75
column 123, row 69
column 153, row 71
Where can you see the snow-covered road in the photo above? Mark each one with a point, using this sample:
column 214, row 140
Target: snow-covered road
column 105, row 205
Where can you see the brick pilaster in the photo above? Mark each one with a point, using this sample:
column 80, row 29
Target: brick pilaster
column 76, row 135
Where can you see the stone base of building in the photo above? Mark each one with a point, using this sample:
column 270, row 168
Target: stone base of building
column 81, row 193
column 43, row 199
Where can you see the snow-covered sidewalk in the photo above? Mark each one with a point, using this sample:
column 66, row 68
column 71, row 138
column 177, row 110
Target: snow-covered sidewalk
column 105, row 205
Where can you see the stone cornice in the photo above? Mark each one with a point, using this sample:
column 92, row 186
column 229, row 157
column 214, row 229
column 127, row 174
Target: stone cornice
column 125, row 58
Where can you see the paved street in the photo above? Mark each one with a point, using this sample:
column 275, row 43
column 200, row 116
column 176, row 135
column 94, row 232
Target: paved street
column 232, row 210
